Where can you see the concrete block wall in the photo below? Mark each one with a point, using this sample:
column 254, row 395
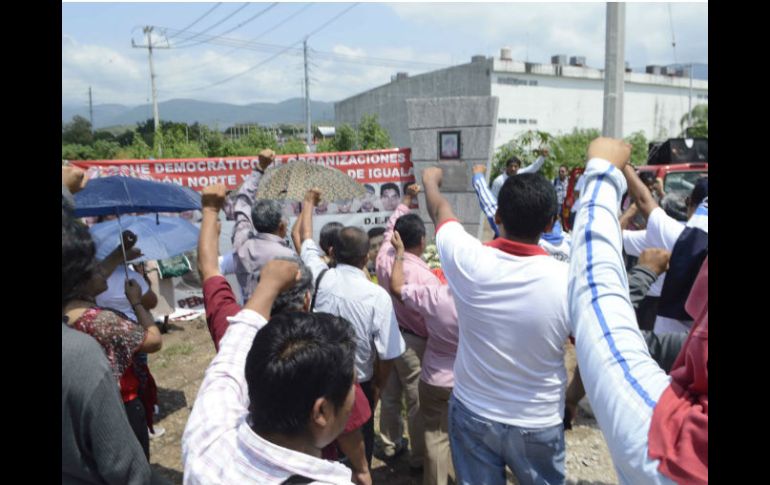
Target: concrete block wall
column 475, row 117
column 389, row 101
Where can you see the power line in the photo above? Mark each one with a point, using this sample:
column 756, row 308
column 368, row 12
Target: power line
column 279, row 53
column 200, row 66
column 198, row 19
column 673, row 39
column 346, row 58
column 250, row 19
column 221, row 21
column 330, row 21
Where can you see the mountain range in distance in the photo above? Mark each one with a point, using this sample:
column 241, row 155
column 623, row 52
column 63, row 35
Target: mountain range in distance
column 221, row 115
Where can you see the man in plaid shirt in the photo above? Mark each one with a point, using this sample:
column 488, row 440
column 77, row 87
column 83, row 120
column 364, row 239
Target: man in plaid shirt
column 269, row 424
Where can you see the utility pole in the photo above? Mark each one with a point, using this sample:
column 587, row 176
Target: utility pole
column 148, row 31
column 614, row 70
column 309, row 135
column 91, row 108
column 689, row 102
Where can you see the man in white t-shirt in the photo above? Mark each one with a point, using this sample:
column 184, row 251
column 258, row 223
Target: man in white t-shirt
column 513, row 167
column 662, row 231
column 511, row 298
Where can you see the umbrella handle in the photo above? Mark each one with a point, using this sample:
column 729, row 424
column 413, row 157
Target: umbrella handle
column 123, row 248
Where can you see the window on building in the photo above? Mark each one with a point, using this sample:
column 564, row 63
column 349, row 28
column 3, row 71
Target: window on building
column 522, row 121
column 501, row 120
column 512, row 120
column 532, row 122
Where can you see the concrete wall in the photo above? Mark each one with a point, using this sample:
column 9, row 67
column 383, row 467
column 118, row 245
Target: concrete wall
column 474, row 117
column 389, row 101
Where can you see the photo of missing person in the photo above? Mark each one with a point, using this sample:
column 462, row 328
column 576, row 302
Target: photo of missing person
column 449, row 145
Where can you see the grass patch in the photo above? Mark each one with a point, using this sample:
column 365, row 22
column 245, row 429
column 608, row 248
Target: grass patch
column 184, row 348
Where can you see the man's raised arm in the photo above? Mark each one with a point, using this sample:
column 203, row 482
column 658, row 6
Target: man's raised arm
column 641, row 194
column 438, row 207
column 212, row 200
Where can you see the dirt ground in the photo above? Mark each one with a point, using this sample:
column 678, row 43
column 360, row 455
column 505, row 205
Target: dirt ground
column 187, row 350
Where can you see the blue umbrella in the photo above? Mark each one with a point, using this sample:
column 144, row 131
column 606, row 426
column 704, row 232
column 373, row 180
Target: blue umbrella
column 121, row 195
column 159, row 237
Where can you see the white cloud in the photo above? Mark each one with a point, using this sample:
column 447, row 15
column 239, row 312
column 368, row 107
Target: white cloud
column 533, row 31
column 538, row 31
column 111, row 74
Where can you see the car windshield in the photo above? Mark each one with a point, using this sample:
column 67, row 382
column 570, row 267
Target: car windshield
column 681, row 181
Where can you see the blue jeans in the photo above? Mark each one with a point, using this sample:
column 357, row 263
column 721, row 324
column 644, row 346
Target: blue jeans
column 481, row 448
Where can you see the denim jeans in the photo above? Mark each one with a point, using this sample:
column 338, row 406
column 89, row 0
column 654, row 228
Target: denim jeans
column 481, row 448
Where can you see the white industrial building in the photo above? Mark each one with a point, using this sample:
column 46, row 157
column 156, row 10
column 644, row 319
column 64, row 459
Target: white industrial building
column 555, row 98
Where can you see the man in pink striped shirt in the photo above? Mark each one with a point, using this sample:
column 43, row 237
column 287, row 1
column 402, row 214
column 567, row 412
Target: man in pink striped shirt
column 436, row 304
column 407, row 368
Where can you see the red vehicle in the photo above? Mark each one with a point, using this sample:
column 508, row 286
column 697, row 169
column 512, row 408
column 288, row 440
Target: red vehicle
column 678, row 162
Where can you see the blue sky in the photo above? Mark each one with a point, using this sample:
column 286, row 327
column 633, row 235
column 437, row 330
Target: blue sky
column 97, row 52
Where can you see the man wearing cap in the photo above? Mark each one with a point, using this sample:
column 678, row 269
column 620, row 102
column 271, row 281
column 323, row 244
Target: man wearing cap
column 259, row 234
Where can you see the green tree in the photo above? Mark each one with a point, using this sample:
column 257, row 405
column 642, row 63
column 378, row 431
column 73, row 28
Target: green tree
column 74, row 151
column 104, row 135
column 105, row 150
column 699, row 126
column 326, row 145
column 293, row 146
column 638, row 147
column 344, row 138
column 259, row 139
column 78, row 131
column 139, row 148
column 126, row 138
column 371, row 135
column 526, row 147
column 570, row 149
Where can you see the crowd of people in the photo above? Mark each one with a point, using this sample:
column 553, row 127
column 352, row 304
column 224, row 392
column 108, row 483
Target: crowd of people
column 320, row 335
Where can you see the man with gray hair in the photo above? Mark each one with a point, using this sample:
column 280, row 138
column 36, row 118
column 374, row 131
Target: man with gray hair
column 259, row 234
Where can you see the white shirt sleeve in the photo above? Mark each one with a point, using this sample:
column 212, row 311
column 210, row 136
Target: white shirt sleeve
column 662, row 230
column 133, row 275
column 223, row 397
column 227, row 263
column 462, row 256
column 387, row 337
column 312, row 256
column 634, row 242
column 497, row 185
column 534, row 167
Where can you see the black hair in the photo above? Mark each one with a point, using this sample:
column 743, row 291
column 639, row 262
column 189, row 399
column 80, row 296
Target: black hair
column 295, row 359
column 375, row 231
column 353, row 247
column 266, row 215
column 526, row 204
column 330, row 234
column 293, row 299
column 411, row 229
column 389, row 185
column 78, row 255
column 699, row 192
column 512, row 160
column 370, row 188
column 647, row 177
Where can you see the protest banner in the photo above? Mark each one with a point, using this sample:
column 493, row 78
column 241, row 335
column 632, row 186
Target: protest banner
column 366, row 167
column 384, row 174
